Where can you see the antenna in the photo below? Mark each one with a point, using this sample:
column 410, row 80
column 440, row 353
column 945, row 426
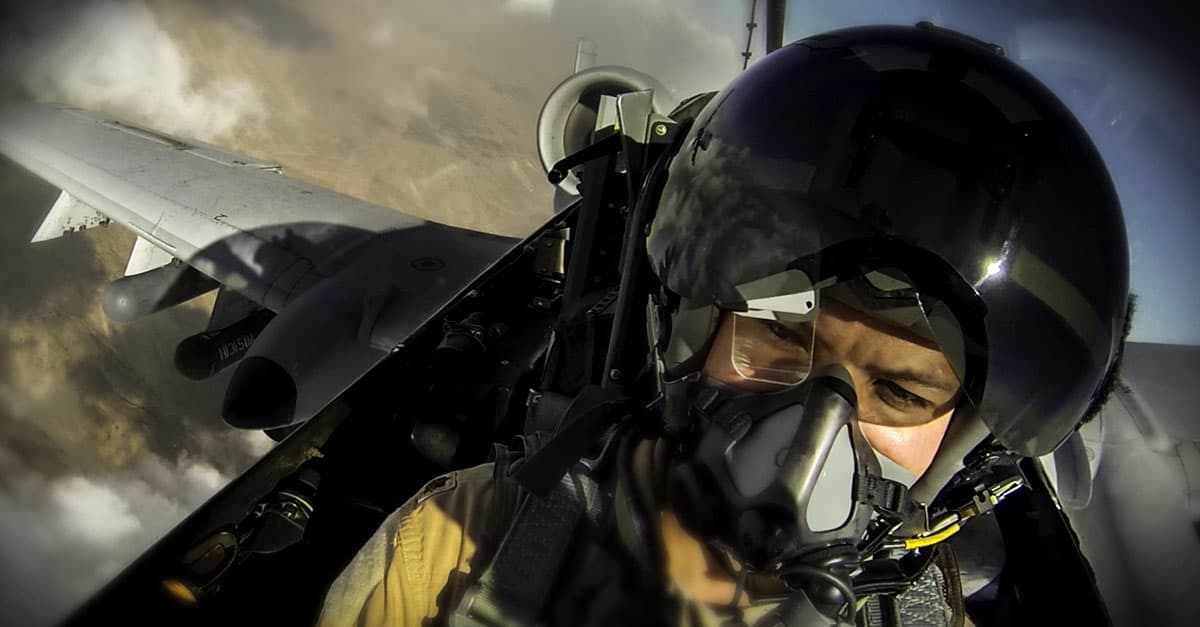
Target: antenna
column 776, row 13
column 750, row 26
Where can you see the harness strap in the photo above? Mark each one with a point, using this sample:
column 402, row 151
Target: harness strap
column 515, row 587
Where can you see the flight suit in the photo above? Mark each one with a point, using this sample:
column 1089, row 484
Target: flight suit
column 416, row 569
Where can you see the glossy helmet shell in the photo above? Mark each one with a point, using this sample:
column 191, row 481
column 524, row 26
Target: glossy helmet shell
column 927, row 151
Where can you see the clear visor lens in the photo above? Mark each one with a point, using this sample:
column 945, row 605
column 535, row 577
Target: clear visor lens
column 772, row 351
column 775, row 346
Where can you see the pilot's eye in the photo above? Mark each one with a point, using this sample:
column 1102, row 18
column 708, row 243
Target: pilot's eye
column 788, row 334
column 899, row 397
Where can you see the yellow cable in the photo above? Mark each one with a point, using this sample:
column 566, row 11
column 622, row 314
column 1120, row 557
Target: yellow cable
column 917, row 543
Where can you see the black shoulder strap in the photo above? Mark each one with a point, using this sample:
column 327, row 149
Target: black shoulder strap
column 515, row 587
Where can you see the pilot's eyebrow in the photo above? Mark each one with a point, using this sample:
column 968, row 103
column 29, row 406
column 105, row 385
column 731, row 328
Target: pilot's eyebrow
column 910, row 375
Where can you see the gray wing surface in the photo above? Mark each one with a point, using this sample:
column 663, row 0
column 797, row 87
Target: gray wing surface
column 347, row 278
column 235, row 218
column 1140, row 528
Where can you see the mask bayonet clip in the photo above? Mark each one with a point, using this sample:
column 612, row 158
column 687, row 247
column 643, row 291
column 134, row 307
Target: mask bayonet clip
column 888, row 497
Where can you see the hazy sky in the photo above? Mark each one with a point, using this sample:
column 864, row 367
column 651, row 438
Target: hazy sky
column 428, row 107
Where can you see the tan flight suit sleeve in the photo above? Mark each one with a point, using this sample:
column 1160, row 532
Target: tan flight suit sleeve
column 417, row 564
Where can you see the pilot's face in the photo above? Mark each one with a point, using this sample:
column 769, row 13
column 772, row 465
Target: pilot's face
column 906, row 389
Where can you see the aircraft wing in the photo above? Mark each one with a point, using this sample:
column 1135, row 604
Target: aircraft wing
column 348, row 279
column 1140, row 526
column 233, row 217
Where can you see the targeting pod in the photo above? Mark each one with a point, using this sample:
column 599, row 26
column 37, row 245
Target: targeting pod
column 205, row 354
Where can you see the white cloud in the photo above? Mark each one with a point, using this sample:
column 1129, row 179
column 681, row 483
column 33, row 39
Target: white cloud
column 411, row 94
column 257, row 443
column 204, row 477
column 541, row 8
column 406, row 99
column 92, row 512
column 40, row 397
column 114, row 56
column 78, row 532
column 383, row 35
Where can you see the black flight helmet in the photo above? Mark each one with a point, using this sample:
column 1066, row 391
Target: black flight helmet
column 947, row 176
